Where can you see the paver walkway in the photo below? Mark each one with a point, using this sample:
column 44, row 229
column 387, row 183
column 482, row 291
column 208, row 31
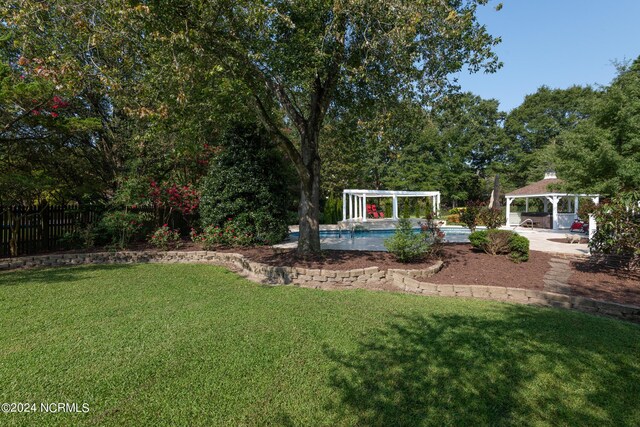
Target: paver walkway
column 555, row 280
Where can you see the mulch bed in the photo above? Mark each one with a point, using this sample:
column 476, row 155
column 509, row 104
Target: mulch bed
column 330, row 260
column 605, row 283
column 467, row 266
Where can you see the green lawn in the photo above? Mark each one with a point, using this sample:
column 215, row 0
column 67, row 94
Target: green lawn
column 197, row 345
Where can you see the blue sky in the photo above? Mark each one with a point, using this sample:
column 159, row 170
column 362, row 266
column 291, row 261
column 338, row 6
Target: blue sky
column 555, row 43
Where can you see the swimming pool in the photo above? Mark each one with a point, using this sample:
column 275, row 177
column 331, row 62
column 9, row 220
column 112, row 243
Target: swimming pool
column 373, row 240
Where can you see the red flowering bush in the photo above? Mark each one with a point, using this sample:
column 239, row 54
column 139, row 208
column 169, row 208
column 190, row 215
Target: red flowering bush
column 165, row 238
column 184, row 198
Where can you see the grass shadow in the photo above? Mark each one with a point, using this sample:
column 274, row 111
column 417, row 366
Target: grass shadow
column 56, row 275
column 464, row 370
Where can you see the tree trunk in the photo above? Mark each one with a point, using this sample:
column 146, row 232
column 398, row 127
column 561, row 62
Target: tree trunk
column 309, row 209
column 14, row 221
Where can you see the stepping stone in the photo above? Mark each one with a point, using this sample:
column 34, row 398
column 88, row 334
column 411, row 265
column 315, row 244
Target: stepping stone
column 555, row 280
column 559, row 288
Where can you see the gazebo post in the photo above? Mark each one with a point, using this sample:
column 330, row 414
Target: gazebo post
column 576, row 206
column 509, row 200
column 526, row 204
column 554, row 215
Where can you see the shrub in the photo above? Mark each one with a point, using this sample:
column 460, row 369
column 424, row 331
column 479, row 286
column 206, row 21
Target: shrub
column 165, row 238
column 332, row 212
column 210, row 237
column 83, row 238
column 453, row 218
column 518, row 248
column 169, row 197
column 433, row 234
column 618, row 231
column 491, row 217
column 120, row 228
column 406, row 245
column 233, row 233
column 387, row 208
column 479, row 239
column 247, row 181
column 498, row 242
column 585, row 208
column 493, row 242
column 471, row 215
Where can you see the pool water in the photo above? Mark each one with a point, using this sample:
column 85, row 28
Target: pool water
column 373, row 240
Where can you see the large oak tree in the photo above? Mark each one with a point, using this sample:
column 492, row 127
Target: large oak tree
column 295, row 58
column 291, row 62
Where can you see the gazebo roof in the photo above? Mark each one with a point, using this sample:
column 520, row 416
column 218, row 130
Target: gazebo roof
column 540, row 187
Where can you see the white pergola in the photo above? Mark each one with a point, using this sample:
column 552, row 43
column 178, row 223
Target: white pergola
column 540, row 190
column 355, row 209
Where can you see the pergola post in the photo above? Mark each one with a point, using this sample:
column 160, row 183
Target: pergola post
column 395, row 208
column 509, row 200
column 364, row 208
column 351, row 206
column 344, row 206
column 355, row 207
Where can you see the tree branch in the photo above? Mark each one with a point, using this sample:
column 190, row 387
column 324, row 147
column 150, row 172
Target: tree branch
column 284, row 140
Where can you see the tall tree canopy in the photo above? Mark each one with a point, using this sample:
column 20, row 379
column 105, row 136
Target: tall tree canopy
column 602, row 153
column 296, row 59
column 535, row 125
column 289, row 63
column 473, row 145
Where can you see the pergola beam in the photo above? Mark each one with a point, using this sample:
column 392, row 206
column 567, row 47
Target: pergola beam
column 358, row 201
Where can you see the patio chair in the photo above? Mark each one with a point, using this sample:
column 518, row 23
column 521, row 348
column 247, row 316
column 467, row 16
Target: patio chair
column 578, row 226
column 376, row 212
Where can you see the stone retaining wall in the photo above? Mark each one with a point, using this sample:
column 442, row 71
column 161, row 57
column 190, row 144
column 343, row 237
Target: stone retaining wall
column 402, row 279
column 307, row 277
column 522, row 296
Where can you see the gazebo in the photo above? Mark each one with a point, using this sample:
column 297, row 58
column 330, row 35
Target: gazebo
column 541, row 190
column 355, row 209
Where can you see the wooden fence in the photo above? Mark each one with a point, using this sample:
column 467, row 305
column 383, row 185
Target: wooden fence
column 40, row 228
